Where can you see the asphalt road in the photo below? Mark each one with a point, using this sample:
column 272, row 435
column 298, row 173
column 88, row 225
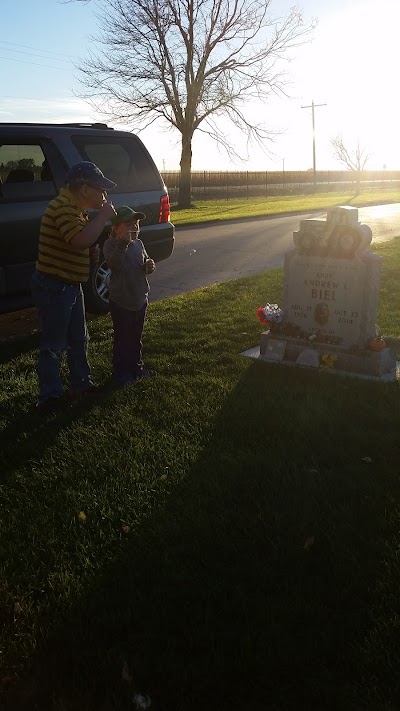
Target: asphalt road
column 213, row 253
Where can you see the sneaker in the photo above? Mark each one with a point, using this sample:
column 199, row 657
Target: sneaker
column 48, row 406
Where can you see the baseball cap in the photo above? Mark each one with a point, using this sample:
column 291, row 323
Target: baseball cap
column 126, row 214
column 89, row 173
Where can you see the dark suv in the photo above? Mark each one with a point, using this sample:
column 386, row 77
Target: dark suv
column 34, row 159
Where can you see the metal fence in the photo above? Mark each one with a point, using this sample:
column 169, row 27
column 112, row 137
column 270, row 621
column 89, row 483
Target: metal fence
column 226, row 185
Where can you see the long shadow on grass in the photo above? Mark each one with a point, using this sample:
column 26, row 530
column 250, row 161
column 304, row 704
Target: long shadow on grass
column 28, row 436
column 251, row 588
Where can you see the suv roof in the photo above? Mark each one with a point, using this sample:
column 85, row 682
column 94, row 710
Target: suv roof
column 61, row 125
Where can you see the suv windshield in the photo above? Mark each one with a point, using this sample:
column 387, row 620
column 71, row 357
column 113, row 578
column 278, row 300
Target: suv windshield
column 123, row 160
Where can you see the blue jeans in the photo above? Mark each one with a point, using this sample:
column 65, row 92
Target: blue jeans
column 127, row 346
column 63, row 328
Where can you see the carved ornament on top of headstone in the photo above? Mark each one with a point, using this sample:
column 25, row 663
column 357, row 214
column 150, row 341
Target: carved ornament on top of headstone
column 341, row 235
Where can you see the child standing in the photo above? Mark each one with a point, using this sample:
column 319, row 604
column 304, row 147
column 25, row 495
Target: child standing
column 129, row 262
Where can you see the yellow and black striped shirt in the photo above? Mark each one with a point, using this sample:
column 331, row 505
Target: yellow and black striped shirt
column 60, row 223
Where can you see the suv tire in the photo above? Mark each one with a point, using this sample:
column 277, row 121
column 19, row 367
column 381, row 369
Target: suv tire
column 96, row 288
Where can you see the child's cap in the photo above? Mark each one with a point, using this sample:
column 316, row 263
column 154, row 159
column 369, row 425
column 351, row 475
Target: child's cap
column 126, row 214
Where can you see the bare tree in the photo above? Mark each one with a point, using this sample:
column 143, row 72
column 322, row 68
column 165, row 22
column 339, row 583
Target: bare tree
column 190, row 62
column 354, row 159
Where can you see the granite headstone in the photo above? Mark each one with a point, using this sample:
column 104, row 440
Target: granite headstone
column 331, row 291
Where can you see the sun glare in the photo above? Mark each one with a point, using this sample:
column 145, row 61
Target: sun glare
column 360, row 58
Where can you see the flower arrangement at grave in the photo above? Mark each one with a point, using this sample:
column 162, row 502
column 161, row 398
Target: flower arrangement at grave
column 270, row 315
column 328, row 360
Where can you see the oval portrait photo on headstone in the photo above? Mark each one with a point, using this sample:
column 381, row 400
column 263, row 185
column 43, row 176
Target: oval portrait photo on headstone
column 322, row 313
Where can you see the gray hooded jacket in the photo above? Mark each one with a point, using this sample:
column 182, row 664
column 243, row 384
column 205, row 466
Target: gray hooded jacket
column 129, row 287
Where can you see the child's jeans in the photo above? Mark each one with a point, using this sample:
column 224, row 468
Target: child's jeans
column 63, row 328
column 127, row 347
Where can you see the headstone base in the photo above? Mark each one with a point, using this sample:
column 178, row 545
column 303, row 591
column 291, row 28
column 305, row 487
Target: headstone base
column 368, row 364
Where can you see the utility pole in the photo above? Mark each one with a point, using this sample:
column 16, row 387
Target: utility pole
column 312, row 107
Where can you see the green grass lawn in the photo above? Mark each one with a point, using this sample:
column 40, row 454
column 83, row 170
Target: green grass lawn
column 210, row 210
column 213, row 534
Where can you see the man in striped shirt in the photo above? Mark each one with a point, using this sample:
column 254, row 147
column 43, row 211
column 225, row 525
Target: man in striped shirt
column 65, row 251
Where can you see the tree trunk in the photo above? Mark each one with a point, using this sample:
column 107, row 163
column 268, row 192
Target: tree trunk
column 185, row 195
column 358, row 184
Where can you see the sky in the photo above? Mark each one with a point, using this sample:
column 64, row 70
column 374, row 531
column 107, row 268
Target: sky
column 349, row 67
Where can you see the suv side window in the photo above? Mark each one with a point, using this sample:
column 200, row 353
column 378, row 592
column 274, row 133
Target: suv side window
column 123, row 160
column 24, row 173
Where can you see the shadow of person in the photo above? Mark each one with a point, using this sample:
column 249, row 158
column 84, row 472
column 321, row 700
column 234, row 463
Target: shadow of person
column 28, row 435
column 249, row 585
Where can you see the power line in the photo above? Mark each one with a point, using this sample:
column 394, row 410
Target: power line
column 35, row 98
column 31, row 54
column 22, row 61
column 26, row 46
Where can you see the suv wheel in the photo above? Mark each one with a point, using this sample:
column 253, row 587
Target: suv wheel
column 97, row 289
